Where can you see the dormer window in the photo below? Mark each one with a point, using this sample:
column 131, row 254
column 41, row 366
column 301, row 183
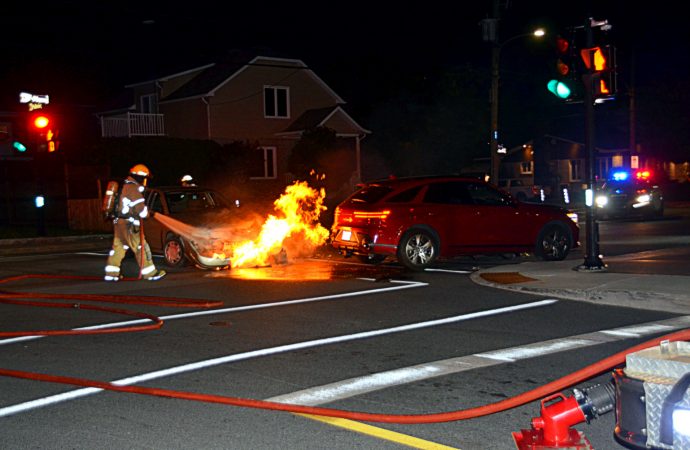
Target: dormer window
column 276, row 102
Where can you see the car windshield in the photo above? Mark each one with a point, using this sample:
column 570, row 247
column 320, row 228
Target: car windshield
column 184, row 201
column 625, row 184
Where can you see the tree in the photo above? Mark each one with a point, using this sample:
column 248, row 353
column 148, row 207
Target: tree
column 310, row 152
column 435, row 124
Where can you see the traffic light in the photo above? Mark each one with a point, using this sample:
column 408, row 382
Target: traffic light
column 565, row 83
column 19, row 146
column 601, row 62
column 10, row 144
column 46, row 132
column 52, row 140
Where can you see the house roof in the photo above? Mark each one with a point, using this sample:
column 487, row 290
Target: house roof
column 206, row 81
column 319, row 117
column 214, row 76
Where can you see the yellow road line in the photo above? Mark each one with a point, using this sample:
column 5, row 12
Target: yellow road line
column 377, row 432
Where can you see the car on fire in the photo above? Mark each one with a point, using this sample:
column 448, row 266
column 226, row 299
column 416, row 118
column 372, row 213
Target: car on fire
column 188, row 238
column 628, row 195
column 418, row 220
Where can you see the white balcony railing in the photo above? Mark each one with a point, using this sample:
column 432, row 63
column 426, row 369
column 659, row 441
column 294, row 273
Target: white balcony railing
column 133, row 124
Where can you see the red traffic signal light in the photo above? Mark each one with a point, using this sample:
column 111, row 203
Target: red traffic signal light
column 40, row 122
column 563, row 61
column 562, row 45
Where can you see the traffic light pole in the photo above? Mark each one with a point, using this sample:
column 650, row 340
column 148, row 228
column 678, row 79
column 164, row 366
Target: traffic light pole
column 592, row 260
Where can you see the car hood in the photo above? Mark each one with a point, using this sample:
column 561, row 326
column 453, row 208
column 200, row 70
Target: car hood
column 206, row 218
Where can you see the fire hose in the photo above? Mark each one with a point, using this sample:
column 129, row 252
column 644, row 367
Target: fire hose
column 547, row 389
column 16, row 298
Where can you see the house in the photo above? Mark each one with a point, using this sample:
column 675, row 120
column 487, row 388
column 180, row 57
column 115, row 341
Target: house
column 260, row 99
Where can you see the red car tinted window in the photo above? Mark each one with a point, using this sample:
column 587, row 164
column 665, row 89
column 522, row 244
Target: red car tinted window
column 483, row 194
column 405, row 196
column 453, row 193
column 371, row 193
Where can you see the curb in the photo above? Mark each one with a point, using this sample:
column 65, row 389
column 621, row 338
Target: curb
column 32, row 246
column 637, row 299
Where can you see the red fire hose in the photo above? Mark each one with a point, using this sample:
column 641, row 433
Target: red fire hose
column 16, row 298
column 464, row 414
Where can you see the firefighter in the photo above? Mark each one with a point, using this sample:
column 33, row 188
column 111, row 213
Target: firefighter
column 130, row 211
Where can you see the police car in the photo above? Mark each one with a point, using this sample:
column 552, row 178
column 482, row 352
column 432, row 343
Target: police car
column 629, row 194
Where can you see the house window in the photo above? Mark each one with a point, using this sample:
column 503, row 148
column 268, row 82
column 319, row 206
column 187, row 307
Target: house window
column 527, row 167
column 263, row 163
column 575, row 170
column 149, row 104
column 604, row 166
column 276, row 102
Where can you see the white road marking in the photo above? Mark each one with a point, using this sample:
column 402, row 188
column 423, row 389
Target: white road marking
column 447, row 270
column 9, row 410
column 640, row 330
column 340, row 390
column 209, row 312
column 513, row 354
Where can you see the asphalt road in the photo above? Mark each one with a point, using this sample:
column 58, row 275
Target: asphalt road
column 317, row 332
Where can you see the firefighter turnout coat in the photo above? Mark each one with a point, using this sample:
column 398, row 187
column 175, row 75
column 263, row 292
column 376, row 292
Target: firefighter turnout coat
column 128, row 233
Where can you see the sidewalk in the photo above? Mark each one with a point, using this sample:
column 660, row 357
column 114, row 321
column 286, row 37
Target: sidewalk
column 42, row 245
column 561, row 279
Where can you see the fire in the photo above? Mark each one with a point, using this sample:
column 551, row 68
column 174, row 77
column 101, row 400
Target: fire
column 298, row 210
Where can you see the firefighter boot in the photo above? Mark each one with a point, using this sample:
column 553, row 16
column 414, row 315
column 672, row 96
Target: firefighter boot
column 157, row 275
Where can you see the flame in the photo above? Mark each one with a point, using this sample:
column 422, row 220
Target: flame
column 297, row 213
column 316, row 175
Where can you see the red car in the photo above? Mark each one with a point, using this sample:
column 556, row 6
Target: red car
column 420, row 219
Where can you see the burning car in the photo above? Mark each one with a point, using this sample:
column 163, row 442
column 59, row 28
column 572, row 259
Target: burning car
column 187, row 223
column 197, row 225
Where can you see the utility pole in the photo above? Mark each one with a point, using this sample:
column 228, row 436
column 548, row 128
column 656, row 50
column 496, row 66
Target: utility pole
column 633, row 115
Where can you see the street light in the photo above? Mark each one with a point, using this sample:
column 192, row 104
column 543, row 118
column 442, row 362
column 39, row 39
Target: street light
column 495, row 60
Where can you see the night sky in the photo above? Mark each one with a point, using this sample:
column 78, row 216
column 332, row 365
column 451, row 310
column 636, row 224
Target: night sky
column 82, row 53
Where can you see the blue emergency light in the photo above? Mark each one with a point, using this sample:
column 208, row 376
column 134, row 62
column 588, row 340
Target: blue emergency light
column 620, row 175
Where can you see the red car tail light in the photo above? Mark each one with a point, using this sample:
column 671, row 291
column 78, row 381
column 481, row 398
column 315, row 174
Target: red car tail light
column 382, row 215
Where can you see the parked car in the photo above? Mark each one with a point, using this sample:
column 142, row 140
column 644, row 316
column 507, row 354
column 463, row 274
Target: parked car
column 420, row 219
column 518, row 188
column 627, row 194
column 186, row 239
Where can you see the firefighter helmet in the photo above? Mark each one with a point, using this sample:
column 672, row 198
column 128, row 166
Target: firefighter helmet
column 140, row 170
column 187, row 180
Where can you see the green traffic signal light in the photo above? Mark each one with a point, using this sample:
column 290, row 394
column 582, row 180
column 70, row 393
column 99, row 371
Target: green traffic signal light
column 19, row 146
column 559, row 89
